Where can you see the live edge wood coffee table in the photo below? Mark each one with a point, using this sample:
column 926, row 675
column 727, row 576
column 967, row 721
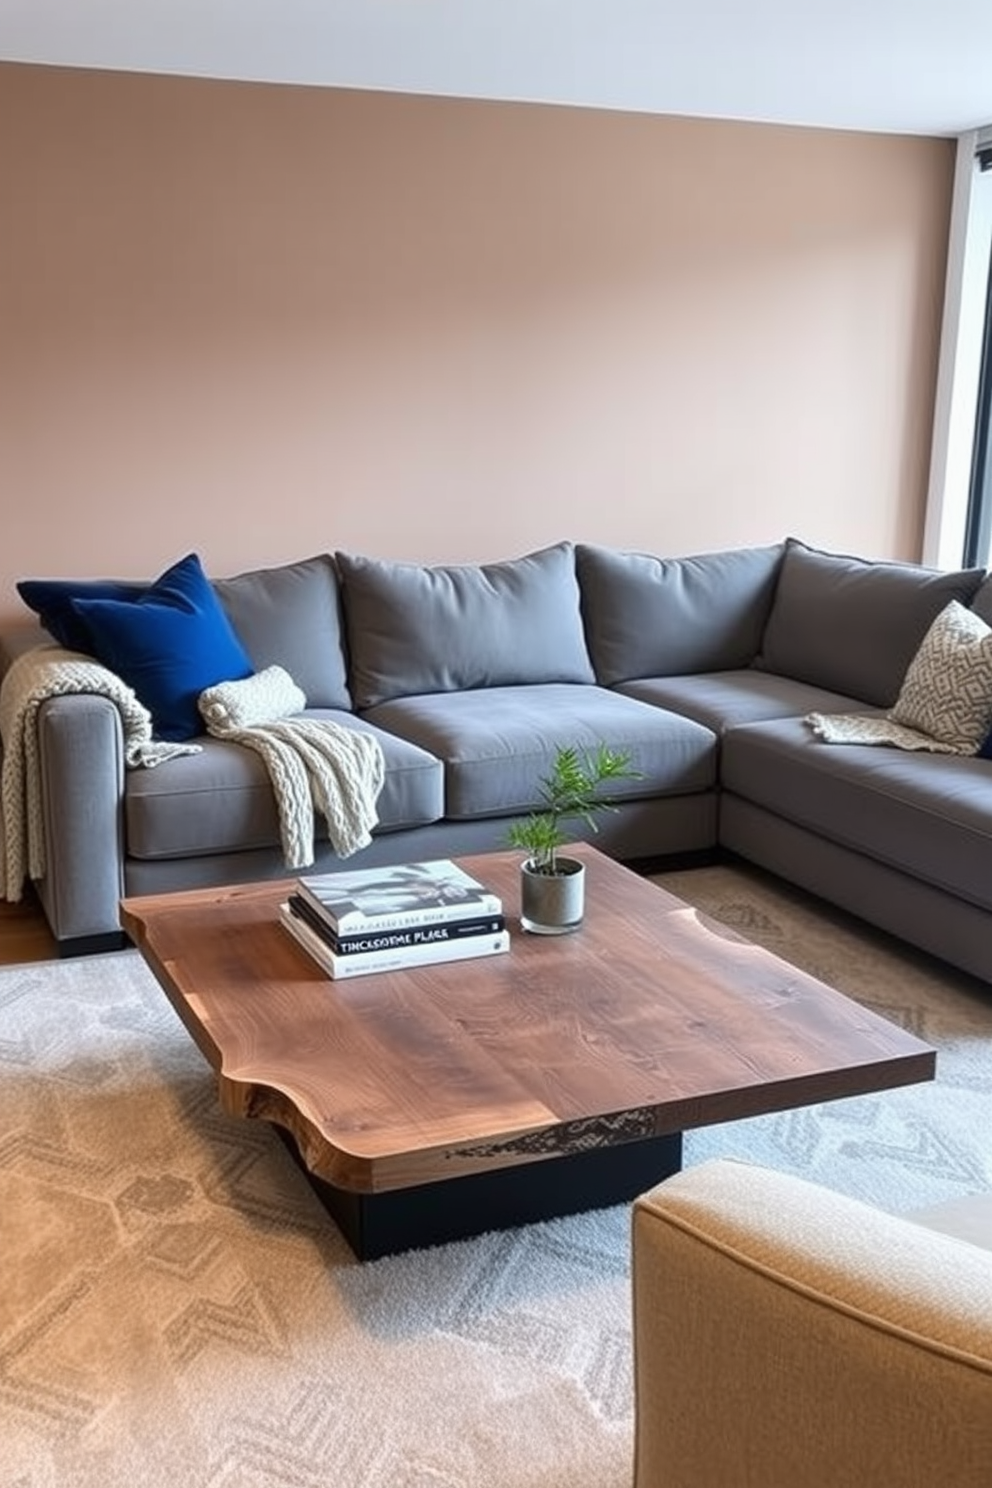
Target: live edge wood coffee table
column 432, row 1104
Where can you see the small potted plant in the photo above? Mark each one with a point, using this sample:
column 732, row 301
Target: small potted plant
column 552, row 887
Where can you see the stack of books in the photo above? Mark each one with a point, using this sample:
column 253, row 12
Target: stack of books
column 383, row 919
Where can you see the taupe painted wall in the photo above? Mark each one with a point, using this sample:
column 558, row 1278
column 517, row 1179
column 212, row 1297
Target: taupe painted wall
column 262, row 322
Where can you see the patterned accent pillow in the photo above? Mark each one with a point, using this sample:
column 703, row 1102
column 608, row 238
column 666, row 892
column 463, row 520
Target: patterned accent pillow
column 947, row 690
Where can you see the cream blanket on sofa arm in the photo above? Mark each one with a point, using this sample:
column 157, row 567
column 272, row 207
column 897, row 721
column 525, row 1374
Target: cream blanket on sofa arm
column 39, row 674
column 310, row 761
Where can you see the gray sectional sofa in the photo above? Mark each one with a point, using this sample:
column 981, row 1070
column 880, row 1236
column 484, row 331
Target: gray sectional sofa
column 704, row 668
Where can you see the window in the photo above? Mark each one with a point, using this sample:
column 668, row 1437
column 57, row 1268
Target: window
column 959, row 503
column 978, row 528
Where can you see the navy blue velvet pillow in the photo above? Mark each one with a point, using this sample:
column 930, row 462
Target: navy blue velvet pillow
column 51, row 600
column 168, row 643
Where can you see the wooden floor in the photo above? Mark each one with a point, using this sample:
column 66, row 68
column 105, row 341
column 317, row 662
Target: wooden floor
column 24, row 933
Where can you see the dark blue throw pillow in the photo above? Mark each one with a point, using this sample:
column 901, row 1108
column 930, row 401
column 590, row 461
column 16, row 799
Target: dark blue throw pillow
column 51, row 600
column 986, row 750
column 168, row 644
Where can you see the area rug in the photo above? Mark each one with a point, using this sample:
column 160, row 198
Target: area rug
column 176, row 1309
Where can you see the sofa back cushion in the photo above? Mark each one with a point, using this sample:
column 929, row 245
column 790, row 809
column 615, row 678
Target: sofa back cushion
column 415, row 629
column 670, row 617
column 290, row 616
column 854, row 625
column 982, row 601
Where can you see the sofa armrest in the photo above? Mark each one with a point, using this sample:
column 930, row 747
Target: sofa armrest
column 787, row 1335
column 81, row 759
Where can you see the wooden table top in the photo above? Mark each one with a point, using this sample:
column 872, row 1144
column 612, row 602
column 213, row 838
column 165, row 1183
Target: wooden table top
column 651, row 1018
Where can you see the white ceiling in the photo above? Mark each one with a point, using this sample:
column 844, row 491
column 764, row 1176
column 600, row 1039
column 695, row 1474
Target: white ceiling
column 902, row 66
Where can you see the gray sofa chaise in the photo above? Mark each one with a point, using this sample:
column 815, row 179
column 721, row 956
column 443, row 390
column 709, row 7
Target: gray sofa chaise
column 704, row 668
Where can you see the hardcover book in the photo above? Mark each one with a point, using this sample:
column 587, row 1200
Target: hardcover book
column 375, row 939
column 395, row 898
column 395, row 959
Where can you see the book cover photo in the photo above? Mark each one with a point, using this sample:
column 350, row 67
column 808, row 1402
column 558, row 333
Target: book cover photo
column 405, row 894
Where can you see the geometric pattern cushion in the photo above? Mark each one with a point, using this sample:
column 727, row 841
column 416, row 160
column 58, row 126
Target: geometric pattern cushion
column 947, row 690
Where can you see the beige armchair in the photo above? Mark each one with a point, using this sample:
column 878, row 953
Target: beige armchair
column 788, row 1337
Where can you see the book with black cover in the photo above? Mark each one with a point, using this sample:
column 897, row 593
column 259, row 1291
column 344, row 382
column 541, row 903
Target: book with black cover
column 395, row 898
column 397, row 959
column 377, row 939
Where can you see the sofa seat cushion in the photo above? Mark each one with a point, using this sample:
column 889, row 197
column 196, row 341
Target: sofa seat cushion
column 722, row 700
column 497, row 742
column 928, row 815
column 221, row 800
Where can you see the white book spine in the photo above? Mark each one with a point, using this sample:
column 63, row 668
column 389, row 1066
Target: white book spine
column 356, row 923
column 398, row 958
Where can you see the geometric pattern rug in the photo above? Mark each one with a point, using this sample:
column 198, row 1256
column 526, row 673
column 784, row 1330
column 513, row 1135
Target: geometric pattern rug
column 177, row 1309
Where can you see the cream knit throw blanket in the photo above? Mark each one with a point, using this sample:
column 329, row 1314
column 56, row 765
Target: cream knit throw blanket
column 857, row 728
column 39, row 674
column 310, row 761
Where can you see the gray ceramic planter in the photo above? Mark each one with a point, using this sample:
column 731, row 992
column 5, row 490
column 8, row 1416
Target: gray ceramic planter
column 552, row 903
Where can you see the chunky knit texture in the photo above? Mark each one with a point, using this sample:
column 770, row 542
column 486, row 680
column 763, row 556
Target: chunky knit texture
column 39, row 674
column 856, row 728
column 311, row 762
column 266, row 697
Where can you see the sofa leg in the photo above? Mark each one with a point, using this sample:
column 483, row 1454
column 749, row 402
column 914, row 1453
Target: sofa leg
column 676, row 862
column 93, row 945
